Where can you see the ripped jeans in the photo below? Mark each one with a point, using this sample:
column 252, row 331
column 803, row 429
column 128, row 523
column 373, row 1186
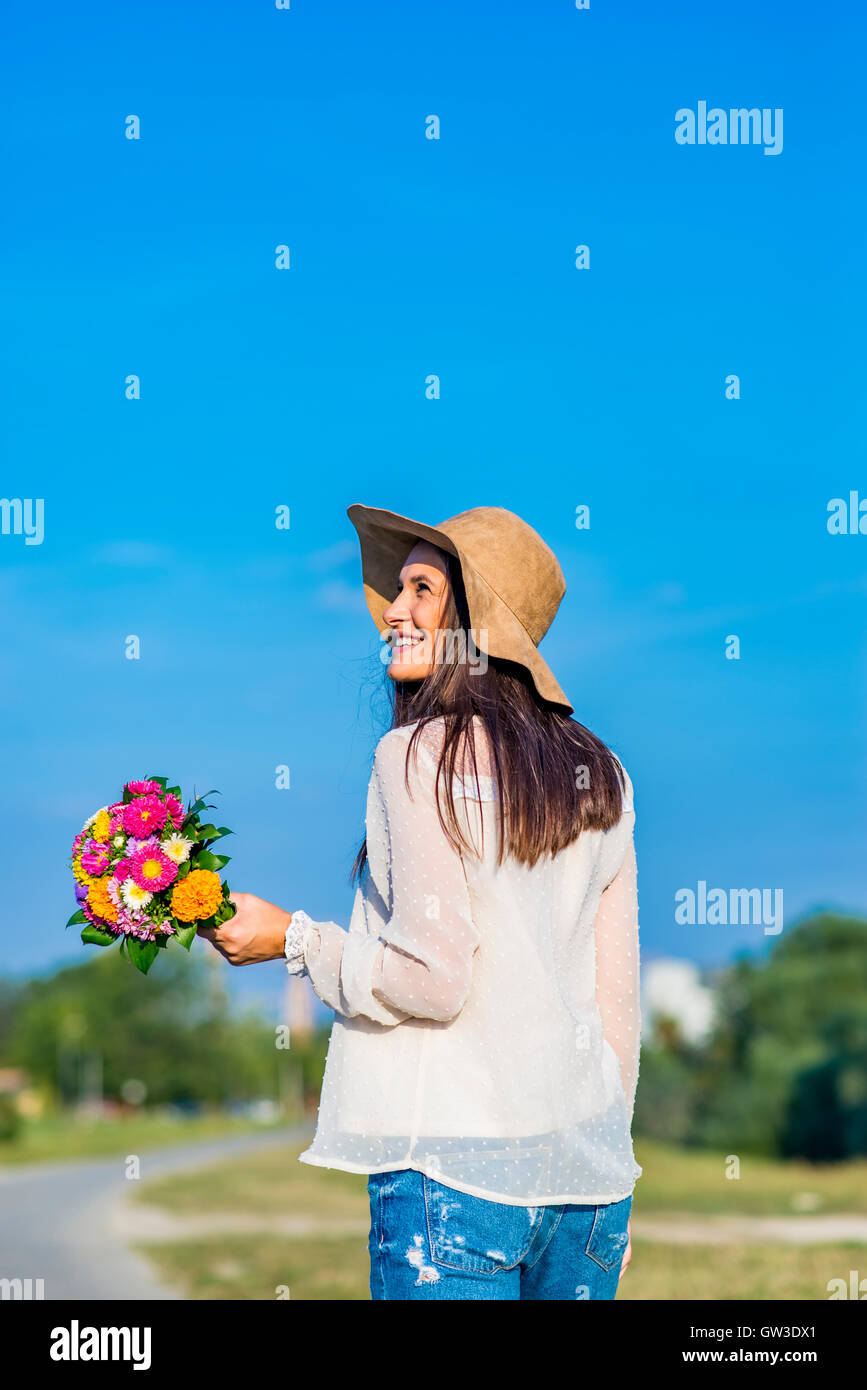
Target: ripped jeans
column 429, row 1241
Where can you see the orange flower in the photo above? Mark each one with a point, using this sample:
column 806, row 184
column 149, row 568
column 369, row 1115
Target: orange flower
column 99, row 902
column 197, row 896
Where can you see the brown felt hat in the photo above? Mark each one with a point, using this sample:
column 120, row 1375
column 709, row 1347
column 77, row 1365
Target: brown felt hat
column 513, row 580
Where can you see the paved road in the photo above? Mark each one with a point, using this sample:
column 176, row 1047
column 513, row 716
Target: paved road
column 64, row 1222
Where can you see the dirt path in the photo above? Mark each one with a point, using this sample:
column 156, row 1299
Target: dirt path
column 686, row 1229
column 141, row 1223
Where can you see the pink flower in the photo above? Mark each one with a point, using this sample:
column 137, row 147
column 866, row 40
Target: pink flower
column 117, row 809
column 143, row 816
column 153, row 870
column 147, row 788
column 136, row 924
column 95, row 859
column 127, row 920
column 175, row 809
column 145, row 933
column 122, row 870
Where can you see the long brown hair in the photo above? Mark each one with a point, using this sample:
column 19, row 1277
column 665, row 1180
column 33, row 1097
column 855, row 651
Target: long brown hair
column 554, row 778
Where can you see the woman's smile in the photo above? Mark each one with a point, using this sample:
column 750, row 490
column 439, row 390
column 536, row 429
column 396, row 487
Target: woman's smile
column 416, row 613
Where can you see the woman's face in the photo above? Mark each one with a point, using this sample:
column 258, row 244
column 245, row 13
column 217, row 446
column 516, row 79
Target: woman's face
column 416, row 613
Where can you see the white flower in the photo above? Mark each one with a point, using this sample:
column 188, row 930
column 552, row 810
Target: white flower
column 135, row 897
column 177, row 848
column 119, row 841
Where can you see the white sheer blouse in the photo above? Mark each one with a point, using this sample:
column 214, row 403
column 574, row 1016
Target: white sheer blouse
column 487, row 1017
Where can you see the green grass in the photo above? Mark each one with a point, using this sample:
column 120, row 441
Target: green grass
column 725, row 1272
column 331, row 1265
column 261, row 1185
column 57, row 1137
column 694, row 1181
column 254, row 1267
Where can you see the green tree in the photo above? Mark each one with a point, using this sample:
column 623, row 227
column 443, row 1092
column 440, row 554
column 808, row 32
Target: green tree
column 172, row 1029
column 785, row 1070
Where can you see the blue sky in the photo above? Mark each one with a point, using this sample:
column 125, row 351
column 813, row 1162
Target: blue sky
column 306, row 388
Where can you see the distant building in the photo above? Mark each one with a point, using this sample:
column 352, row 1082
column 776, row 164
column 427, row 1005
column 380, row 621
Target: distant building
column 672, row 989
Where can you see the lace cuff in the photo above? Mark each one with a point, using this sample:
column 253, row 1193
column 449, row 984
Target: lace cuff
column 294, row 945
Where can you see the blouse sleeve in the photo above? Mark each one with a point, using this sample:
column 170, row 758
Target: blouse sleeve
column 617, row 963
column 418, row 962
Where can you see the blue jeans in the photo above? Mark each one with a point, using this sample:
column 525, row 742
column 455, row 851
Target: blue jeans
column 429, row 1241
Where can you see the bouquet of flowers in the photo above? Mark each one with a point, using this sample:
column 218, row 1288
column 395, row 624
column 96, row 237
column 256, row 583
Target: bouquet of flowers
column 145, row 872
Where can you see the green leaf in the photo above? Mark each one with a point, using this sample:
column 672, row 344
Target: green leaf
column 76, row 919
column 96, row 936
column 141, row 953
column 173, row 791
column 225, row 912
column 206, row 860
column 209, row 835
column 185, row 934
column 183, row 870
column 162, row 782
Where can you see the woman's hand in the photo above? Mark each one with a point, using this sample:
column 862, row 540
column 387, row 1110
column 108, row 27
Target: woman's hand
column 257, row 931
column 628, row 1253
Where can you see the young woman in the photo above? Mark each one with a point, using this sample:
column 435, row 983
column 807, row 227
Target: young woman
column 484, row 1055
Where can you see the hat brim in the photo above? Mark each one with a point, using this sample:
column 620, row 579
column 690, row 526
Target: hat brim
column 386, row 539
